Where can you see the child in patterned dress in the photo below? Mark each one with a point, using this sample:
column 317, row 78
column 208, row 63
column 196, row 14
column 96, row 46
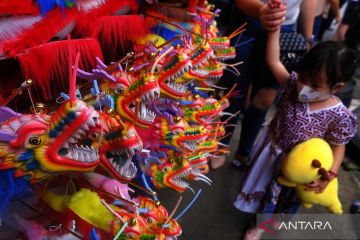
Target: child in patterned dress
column 308, row 109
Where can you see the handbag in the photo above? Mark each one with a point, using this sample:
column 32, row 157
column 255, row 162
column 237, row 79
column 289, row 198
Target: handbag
column 292, row 49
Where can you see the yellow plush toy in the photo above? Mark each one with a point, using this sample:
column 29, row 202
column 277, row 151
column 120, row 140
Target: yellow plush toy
column 308, row 161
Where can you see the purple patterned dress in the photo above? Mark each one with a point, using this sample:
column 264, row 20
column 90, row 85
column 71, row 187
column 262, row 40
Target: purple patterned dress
column 292, row 124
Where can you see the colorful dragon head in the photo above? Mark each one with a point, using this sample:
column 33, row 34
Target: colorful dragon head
column 199, row 165
column 145, row 89
column 210, row 109
column 171, row 174
column 224, row 54
column 135, row 227
column 219, row 42
column 156, row 217
column 66, row 127
column 200, row 54
column 181, row 135
column 49, row 143
column 117, row 143
column 174, row 67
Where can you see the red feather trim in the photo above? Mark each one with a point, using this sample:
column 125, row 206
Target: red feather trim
column 47, row 64
column 40, row 33
column 114, row 32
column 111, row 7
column 18, row 7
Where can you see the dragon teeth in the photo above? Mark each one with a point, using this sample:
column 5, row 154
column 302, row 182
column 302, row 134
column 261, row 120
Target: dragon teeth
column 91, row 122
column 85, row 127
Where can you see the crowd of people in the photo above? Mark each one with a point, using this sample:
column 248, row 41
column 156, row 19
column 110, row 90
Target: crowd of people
column 306, row 96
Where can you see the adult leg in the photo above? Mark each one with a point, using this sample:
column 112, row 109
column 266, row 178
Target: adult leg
column 254, row 117
column 263, row 96
column 244, row 46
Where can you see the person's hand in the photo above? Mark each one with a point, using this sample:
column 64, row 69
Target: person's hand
column 337, row 19
column 272, row 15
column 318, row 185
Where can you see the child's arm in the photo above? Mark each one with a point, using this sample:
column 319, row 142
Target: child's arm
column 273, row 58
column 319, row 185
column 339, row 152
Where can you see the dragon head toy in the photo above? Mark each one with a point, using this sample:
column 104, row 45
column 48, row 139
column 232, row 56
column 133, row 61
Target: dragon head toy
column 174, row 66
column 171, row 174
column 49, row 143
column 225, row 54
column 67, row 125
column 116, row 142
column 207, row 112
column 143, row 91
column 181, row 135
column 156, row 217
column 199, row 166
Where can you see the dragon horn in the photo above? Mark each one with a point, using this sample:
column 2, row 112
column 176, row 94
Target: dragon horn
column 173, row 211
column 161, row 57
column 72, row 90
column 188, row 206
column 101, row 63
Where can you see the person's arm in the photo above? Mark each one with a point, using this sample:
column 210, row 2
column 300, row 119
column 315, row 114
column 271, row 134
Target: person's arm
column 319, row 185
column 250, row 7
column 339, row 152
column 273, row 58
column 308, row 11
column 270, row 18
column 349, row 15
column 335, row 8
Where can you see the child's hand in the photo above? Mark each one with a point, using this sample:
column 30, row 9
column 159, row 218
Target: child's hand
column 272, row 15
column 318, row 185
column 274, row 3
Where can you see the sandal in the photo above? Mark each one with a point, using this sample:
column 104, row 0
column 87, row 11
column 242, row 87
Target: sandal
column 236, row 163
column 240, row 162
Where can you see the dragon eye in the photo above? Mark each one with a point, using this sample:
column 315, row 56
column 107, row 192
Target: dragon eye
column 35, row 141
column 119, row 90
column 132, row 221
column 150, row 220
column 166, row 169
column 94, row 136
column 177, row 119
column 130, row 235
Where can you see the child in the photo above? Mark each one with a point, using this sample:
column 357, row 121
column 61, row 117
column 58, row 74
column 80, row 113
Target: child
column 308, row 109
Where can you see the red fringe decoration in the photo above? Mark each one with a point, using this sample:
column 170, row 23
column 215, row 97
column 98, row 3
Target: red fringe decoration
column 114, row 32
column 85, row 22
column 47, row 64
column 40, row 33
column 17, row 7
